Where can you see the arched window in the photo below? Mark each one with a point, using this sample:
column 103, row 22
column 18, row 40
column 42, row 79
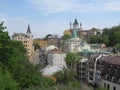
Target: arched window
column 114, row 79
column 107, row 76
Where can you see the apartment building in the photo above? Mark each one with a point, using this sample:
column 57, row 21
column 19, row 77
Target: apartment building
column 110, row 75
column 82, row 69
column 26, row 40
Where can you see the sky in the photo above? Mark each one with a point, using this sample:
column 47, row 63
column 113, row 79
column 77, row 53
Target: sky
column 54, row 16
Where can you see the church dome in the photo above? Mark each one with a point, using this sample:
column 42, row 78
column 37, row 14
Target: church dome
column 75, row 22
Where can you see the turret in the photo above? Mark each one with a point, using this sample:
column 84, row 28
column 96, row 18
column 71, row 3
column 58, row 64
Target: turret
column 28, row 30
column 75, row 29
column 75, row 24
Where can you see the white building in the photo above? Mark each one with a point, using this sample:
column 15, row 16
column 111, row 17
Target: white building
column 75, row 45
column 50, row 70
column 56, row 58
column 110, row 85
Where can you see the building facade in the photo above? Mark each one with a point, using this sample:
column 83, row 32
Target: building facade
column 81, row 33
column 42, row 43
column 26, row 40
column 56, row 58
column 111, row 73
column 75, row 44
column 82, row 69
column 95, row 66
column 54, row 40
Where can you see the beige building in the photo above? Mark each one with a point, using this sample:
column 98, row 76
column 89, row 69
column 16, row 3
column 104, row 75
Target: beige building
column 26, row 39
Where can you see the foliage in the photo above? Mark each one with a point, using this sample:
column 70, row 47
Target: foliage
column 75, row 84
column 67, row 87
column 17, row 68
column 47, row 36
column 47, row 82
column 72, row 58
column 117, row 46
column 110, row 36
column 65, row 76
column 101, row 88
column 95, row 39
column 19, row 73
column 6, row 81
column 65, row 37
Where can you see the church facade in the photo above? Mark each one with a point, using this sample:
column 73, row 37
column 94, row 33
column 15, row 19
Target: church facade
column 75, row 43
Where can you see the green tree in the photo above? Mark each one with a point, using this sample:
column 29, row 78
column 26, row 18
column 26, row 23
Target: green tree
column 18, row 72
column 6, row 81
column 65, row 76
column 95, row 39
column 65, row 37
column 117, row 46
column 47, row 36
column 110, row 36
column 13, row 57
column 72, row 59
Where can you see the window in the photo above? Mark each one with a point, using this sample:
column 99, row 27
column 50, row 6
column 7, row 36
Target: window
column 108, row 86
column 104, row 84
column 114, row 88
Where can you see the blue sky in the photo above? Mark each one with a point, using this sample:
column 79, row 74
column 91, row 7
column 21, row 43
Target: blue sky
column 54, row 16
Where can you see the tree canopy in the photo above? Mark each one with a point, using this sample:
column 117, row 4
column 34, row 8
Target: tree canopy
column 72, row 58
column 65, row 37
column 110, row 36
column 16, row 72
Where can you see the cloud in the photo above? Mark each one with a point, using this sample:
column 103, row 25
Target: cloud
column 38, row 29
column 56, row 6
column 14, row 24
column 3, row 18
column 113, row 6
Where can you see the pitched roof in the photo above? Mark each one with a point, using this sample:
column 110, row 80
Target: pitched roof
column 114, row 60
column 20, row 34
